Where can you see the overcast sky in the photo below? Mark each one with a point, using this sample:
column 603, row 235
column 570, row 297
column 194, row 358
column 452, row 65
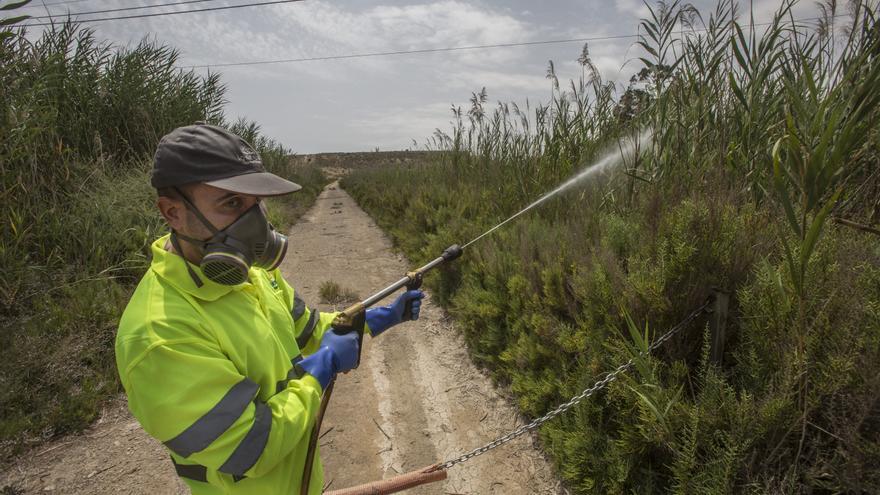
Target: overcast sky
column 386, row 102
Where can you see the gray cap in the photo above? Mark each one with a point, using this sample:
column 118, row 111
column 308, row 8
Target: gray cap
column 214, row 156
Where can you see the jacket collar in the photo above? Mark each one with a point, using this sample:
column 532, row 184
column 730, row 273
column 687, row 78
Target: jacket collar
column 172, row 268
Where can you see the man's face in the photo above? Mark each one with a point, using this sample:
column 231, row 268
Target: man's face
column 219, row 206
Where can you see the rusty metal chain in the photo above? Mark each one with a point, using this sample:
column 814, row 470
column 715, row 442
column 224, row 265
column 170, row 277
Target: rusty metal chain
column 610, row 377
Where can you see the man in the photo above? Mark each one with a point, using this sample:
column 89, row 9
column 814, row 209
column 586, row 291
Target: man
column 221, row 360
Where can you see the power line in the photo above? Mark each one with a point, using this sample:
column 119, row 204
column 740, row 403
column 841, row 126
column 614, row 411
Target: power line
column 40, row 6
column 157, row 14
column 123, row 9
column 407, row 52
column 442, row 49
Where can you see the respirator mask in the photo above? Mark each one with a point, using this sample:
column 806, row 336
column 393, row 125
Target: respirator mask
column 228, row 254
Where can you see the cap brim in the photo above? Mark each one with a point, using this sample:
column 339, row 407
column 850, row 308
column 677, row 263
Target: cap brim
column 256, row 184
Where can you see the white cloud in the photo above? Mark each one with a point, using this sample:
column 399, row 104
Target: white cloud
column 397, row 127
column 317, row 29
column 636, row 8
column 764, row 10
column 360, row 103
column 496, row 81
column 386, row 28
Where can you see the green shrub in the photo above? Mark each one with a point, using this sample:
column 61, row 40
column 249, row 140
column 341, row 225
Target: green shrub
column 553, row 300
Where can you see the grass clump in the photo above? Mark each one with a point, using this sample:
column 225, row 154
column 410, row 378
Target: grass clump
column 79, row 122
column 331, row 292
column 760, row 136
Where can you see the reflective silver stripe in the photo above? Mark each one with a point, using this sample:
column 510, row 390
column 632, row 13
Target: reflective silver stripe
column 294, row 372
column 306, row 334
column 216, row 421
column 251, row 447
column 299, row 307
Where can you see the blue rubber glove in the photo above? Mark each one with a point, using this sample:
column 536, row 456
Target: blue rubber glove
column 384, row 317
column 337, row 353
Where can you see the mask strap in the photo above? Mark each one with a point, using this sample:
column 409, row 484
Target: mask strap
column 175, row 235
column 191, row 207
column 176, row 243
column 192, row 273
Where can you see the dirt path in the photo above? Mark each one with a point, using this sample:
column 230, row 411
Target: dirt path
column 416, row 398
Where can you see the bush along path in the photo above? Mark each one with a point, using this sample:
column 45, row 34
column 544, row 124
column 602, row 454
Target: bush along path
column 760, row 178
column 415, row 400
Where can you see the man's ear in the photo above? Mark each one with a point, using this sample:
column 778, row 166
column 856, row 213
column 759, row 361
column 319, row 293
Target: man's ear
column 172, row 210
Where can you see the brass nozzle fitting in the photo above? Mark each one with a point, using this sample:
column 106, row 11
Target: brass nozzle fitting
column 346, row 317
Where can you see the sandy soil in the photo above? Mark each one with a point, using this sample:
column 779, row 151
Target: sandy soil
column 415, row 400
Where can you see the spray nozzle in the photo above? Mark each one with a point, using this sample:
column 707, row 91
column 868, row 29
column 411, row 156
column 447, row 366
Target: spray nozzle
column 452, row 252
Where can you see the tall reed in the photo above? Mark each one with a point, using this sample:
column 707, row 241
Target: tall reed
column 761, row 133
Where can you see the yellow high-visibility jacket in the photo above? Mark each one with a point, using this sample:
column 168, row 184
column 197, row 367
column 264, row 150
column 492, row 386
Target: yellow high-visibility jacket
column 210, row 372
